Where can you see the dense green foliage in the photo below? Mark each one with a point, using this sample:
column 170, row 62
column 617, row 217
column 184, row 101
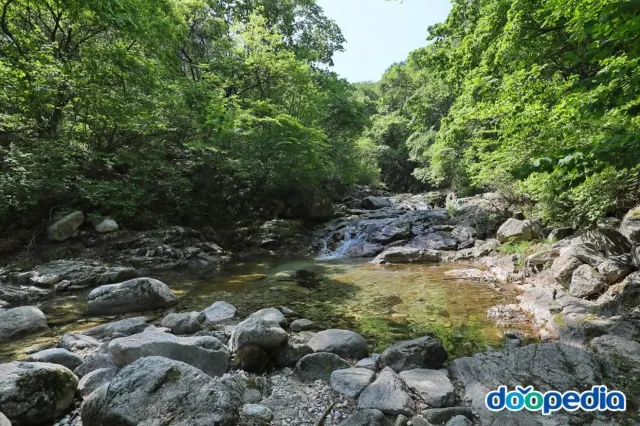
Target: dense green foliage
column 537, row 98
column 168, row 110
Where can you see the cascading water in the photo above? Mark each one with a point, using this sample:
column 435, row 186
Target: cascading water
column 351, row 238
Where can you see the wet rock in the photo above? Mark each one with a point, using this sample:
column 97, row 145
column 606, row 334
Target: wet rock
column 319, row 366
column 433, row 386
column 351, row 381
column 440, row 416
column 255, row 415
column 270, row 314
column 515, row 230
column 218, row 313
column 94, row 362
column 586, row 282
column 344, row 343
column 205, row 353
column 93, row 380
column 250, row 358
column 558, row 234
column 616, row 348
column 425, row 352
column 302, row 325
column 613, row 270
column 157, row 390
column 64, row 228
column 389, row 394
column 182, row 323
column 395, row 231
column 34, row 392
column 259, row 332
column 369, row 363
column 375, row 203
column 20, row 322
column 630, row 226
column 289, row 355
column 78, row 343
column 137, row 295
column 407, row 255
column 105, row 226
column 367, row 417
column 126, row 327
column 57, row 356
column 548, row 366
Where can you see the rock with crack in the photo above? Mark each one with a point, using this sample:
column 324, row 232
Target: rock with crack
column 34, row 393
column 424, row 352
column 351, row 381
column 20, row 322
column 157, row 390
column 433, row 386
column 389, row 394
column 344, row 343
column 547, row 366
column 137, row 295
column 319, row 366
column 205, row 353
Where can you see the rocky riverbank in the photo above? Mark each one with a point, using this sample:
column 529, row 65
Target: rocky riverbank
column 578, row 293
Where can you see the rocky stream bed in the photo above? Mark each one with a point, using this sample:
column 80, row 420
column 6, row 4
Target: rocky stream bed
column 395, row 312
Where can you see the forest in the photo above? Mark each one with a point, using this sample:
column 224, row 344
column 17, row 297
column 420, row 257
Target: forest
column 198, row 111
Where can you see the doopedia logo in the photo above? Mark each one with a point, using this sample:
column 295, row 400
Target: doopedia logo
column 597, row 399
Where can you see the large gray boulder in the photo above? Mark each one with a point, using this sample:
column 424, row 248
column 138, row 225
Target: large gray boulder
column 219, row 312
column 617, row 349
column 607, row 241
column 515, row 230
column 34, row 392
column 548, row 366
column 630, row 226
column 375, row 203
column 366, row 417
column 407, row 255
column 586, row 282
column 425, row 352
column 92, row 381
column 351, row 381
column 160, row 391
column 319, row 366
column 57, row 356
column 182, row 323
column 613, row 270
column 78, row 343
column 137, row 295
column 204, row 352
column 270, row 314
column 64, row 228
column 389, row 394
column 265, row 334
column 433, row 386
column 93, row 362
column 22, row 321
column 344, row 343
column 127, row 327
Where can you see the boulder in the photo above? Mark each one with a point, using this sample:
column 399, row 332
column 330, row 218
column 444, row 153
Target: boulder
column 205, row 353
column 259, row 332
column 439, row 240
column 635, row 256
column 433, row 386
column 57, row 356
column 218, row 313
column 351, row 381
column 607, row 241
column 389, row 394
column 440, row 416
column 127, row 327
column 94, row 362
column 563, row 268
column 542, row 258
column 289, row 355
column 630, row 225
column 459, row 421
column 558, row 234
column 4, row 421
column 586, row 282
column 35, row 392
column 392, row 232
column 370, row 363
column 375, row 203
column 270, row 314
column 302, row 325
column 182, row 323
column 366, row 417
column 64, row 228
column 137, row 295
column 319, row 366
column 515, row 230
column 547, row 366
column 157, row 390
column 613, row 270
column 92, row 381
column 255, row 415
column 251, row 358
column 344, row 343
column 78, row 343
column 105, row 226
column 617, row 349
column 20, row 322
column 407, row 255
column 425, row 352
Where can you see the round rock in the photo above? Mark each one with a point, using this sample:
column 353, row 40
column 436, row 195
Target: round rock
column 22, row 321
column 344, row 343
column 137, row 295
column 319, row 366
column 57, row 356
column 351, row 381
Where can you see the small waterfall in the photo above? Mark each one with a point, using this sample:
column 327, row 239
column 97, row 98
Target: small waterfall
column 351, row 238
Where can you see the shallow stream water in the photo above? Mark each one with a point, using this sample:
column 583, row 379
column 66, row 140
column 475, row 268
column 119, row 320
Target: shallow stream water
column 383, row 303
